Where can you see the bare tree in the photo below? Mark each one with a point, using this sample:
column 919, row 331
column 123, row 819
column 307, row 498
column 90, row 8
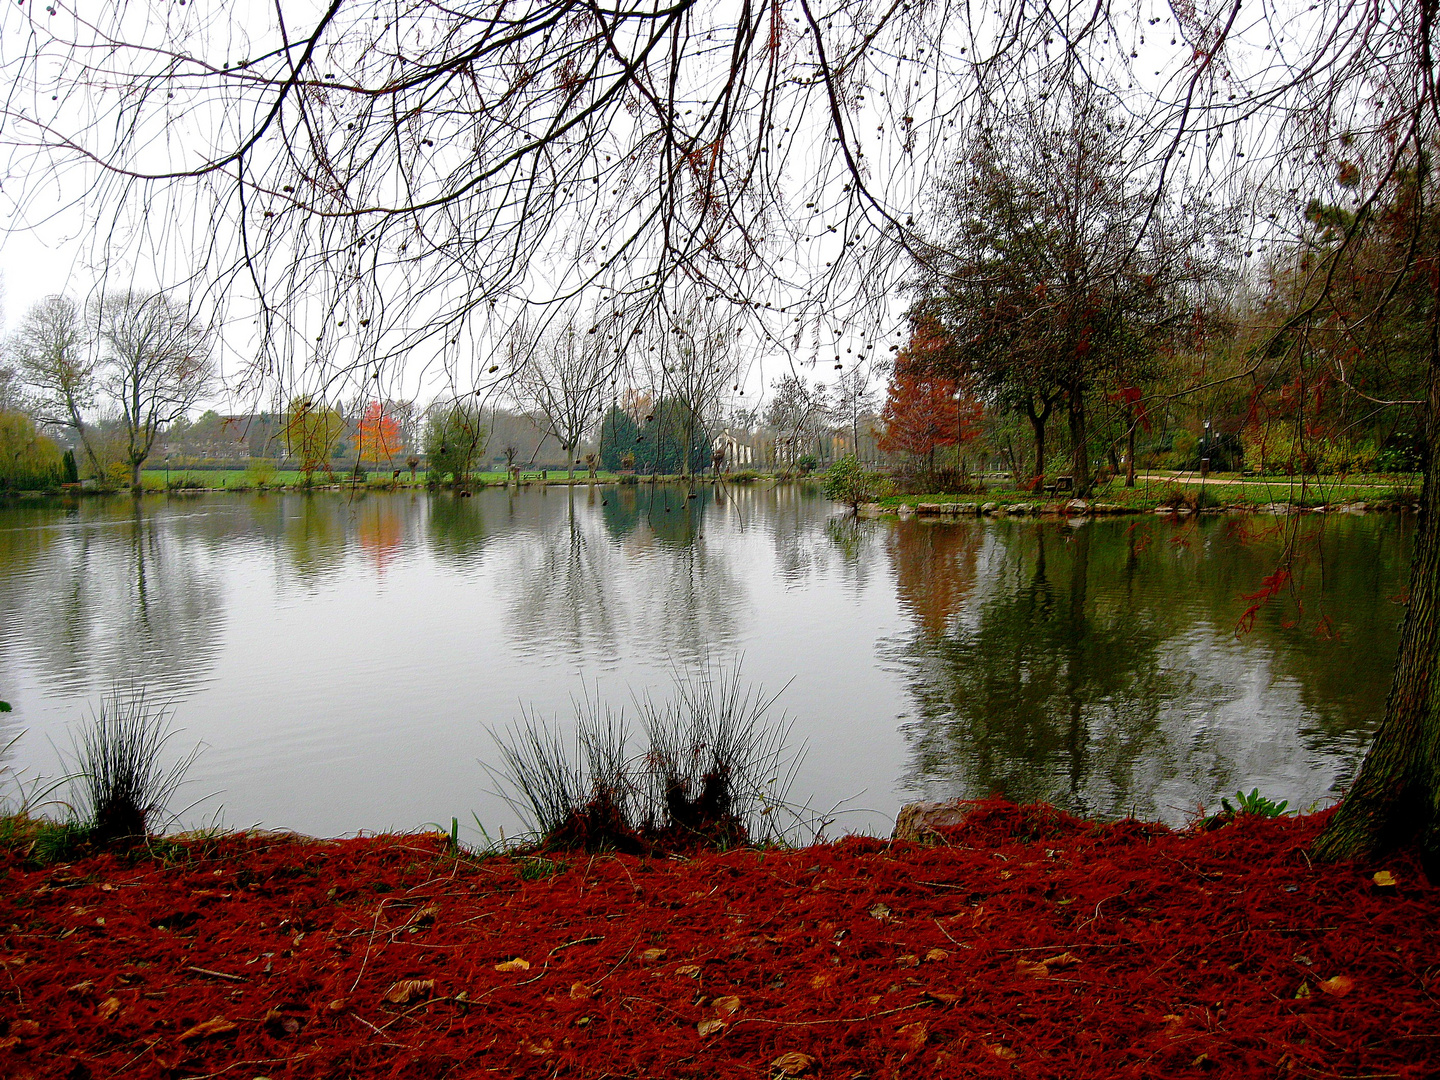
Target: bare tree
column 566, row 376
column 854, row 400
column 156, row 367
column 690, row 361
column 53, row 359
column 799, row 413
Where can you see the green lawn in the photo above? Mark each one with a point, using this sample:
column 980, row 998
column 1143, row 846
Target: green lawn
column 1226, row 490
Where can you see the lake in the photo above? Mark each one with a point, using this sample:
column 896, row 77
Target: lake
column 342, row 660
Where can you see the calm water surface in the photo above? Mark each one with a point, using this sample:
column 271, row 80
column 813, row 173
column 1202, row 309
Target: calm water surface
column 342, row 659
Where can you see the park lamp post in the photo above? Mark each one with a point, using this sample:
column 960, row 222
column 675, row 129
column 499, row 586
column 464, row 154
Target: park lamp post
column 1205, row 453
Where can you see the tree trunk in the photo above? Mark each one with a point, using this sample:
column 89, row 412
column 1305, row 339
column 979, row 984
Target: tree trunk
column 1130, row 453
column 1080, row 444
column 135, row 488
column 1395, row 801
column 1037, row 422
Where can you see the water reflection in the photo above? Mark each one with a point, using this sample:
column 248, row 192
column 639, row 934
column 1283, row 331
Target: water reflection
column 102, row 594
column 1096, row 666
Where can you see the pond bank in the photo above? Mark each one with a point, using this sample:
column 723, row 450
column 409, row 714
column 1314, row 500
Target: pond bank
column 1086, row 508
column 1026, row 940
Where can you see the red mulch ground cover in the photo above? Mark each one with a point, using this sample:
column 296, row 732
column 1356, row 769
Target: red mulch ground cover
column 1028, row 943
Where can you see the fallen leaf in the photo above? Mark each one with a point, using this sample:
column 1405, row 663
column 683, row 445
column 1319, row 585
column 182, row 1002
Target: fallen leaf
column 793, row 1063
column 9, row 1043
column 206, row 1029
column 337, row 1005
column 940, row 997
column 709, row 1027
column 1034, row 971
column 26, row 1029
column 881, row 912
column 1385, row 879
column 819, row 982
column 539, row 1049
column 580, row 992
column 81, row 987
column 650, row 956
column 934, row 956
column 108, row 1008
column 1004, row 1053
column 912, row 1036
column 513, row 965
column 693, row 970
column 408, row 990
column 1303, row 992
column 907, row 961
column 727, row 1006
column 1339, row 986
column 426, row 916
column 1064, row 960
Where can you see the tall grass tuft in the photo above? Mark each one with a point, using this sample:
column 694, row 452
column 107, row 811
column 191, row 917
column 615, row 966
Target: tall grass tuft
column 713, row 772
column 122, row 786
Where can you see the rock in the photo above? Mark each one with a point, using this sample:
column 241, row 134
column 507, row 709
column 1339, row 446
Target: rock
column 919, row 819
column 1018, row 508
column 1077, row 506
column 905, row 510
column 949, row 509
column 1107, row 508
column 928, row 508
column 989, row 508
column 1279, row 509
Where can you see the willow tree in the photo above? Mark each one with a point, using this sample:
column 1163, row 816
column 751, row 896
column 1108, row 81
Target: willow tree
column 390, row 179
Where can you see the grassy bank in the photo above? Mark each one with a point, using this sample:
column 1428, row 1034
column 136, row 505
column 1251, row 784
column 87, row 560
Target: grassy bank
column 1218, row 490
column 1024, row 941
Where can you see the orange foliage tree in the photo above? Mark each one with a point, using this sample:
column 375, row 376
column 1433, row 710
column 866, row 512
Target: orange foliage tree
column 924, row 410
column 379, row 433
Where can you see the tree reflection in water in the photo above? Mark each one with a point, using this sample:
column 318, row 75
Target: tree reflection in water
column 1095, row 666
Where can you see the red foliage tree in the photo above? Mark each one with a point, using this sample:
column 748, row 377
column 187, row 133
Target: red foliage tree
column 379, row 433
column 924, row 411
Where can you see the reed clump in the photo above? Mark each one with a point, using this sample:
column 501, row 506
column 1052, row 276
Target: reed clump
column 713, row 772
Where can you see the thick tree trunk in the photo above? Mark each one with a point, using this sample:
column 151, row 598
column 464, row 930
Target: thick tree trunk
column 135, row 488
column 1037, row 423
column 1395, row 801
column 1080, row 443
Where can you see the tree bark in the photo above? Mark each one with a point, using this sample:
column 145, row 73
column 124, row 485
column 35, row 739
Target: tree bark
column 1395, row 801
column 1037, row 422
column 1079, row 442
column 1130, row 452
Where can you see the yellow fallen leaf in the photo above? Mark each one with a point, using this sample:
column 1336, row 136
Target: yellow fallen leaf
column 580, row 992
column 513, row 965
column 727, row 1006
column 693, row 970
column 1303, row 992
column 337, row 1005
column 934, row 956
column 108, row 1008
column 539, row 1049
column 881, row 912
column 1004, row 1053
column 1034, row 971
column 940, row 997
column 709, row 1027
column 426, row 916
column 1339, row 986
column 819, row 982
column 653, row 956
column 207, row 1029
column 408, row 990
column 1064, row 960
column 793, row 1063
column 907, row 961
column 1385, row 879
column 912, row 1036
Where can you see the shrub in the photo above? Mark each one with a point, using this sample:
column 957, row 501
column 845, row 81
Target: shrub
column 849, row 482
column 744, row 476
column 806, row 464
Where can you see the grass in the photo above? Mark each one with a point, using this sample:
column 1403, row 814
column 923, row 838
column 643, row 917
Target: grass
column 713, row 773
column 1157, row 491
